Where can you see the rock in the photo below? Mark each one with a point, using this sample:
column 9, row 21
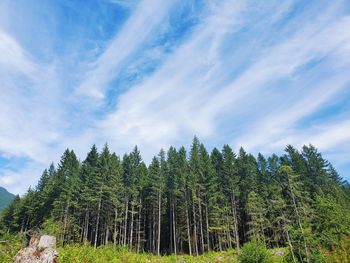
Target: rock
column 40, row 250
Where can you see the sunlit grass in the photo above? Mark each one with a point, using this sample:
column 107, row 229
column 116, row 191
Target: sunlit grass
column 86, row 253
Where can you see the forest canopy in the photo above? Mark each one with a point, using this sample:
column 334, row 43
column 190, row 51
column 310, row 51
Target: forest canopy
column 189, row 203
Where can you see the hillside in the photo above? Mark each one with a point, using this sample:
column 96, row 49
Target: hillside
column 5, row 198
column 190, row 203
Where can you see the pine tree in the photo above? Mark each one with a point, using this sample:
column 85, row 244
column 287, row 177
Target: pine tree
column 189, row 204
column 10, row 216
column 257, row 219
column 216, row 200
column 230, row 183
column 299, row 209
column 89, row 172
column 172, row 194
column 184, row 199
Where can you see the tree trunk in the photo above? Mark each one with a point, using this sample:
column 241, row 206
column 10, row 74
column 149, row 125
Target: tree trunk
column 153, row 227
column 207, row 226
column 229, row 234
column 97, row 221
column 27, row 223
column 188, row 225
column 174, row 227
column 65, row 221
column 126, row 219
column 290, row 246
column 159, row 217
column 299, row 223
column 139, row 227
column 234, row 214
column 107, row 230
column 115, row 233
column 194, row 227
column 170, row 232
column 219, row 240
column 107, row 233
column 201, row 224
column 86, row 225
column 131, row 226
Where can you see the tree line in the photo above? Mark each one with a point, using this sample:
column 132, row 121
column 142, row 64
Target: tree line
column 189, row 202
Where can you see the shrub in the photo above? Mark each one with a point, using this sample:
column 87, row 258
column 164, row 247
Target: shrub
column 254, row 252
column 9, row 246
column 50, row 227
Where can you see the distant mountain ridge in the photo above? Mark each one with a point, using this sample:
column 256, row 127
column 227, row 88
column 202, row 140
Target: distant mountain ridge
column 5, row 197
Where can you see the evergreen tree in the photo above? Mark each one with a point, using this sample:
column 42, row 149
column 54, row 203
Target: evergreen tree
column 230, row 185
column 189, row 204
column 257, row 219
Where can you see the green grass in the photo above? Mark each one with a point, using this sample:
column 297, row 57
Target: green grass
column 9, row 246
column 75, row 253
column 341, row 254
column 108, row 254
column 87, row 254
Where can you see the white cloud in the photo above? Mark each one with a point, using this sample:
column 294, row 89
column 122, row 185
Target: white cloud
column 29, row 114
column 332, row 135
column 147, row 16
column 167, row 105
column 13, row 57
column 224, row 78
column 279, row 128
column 18, row 182
column 26, row 110
column 188, row 94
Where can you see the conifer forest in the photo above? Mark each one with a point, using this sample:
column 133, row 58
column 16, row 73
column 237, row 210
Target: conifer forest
column 189, row 201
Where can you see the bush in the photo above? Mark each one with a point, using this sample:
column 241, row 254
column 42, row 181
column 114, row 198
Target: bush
column 50, row 227
column 9, row 246
column 254, row 252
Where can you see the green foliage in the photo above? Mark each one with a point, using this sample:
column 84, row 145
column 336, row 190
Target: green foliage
column 331, row 221
column 10, row 244
column 257, row 219
column 251, row 252
column 198, row 203
column 107, row 254
column 340, row 253
column 254, row 252
column 50, row 227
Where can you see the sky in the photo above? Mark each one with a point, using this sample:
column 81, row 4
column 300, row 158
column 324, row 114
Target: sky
column 154, row 73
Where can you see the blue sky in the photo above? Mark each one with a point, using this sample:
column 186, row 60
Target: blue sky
column 257, row 74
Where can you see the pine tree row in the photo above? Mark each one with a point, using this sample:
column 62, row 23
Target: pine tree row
column 189, row 203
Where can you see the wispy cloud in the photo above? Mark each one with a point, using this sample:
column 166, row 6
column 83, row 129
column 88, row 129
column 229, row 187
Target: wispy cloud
column 195, row 76
column 147, row 16
column 19, row 181
column 23, row 102
column 13, row 58
column 28, row 114
column 166, row 105
column 248, row 73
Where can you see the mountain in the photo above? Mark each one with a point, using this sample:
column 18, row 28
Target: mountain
column 5, row 197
